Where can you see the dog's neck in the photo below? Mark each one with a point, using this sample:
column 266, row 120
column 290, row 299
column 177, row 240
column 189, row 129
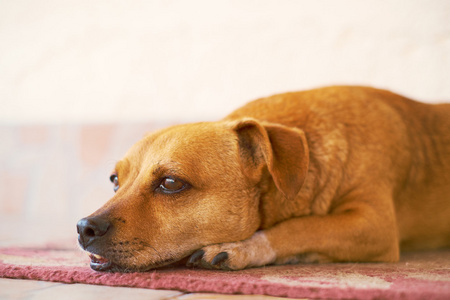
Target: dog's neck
column 317, row 193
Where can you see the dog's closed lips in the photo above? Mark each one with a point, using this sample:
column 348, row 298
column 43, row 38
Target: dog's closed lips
column 336, row 174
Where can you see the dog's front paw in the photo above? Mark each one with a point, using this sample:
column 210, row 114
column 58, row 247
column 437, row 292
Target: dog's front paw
column 230, row 256
column 253, row 252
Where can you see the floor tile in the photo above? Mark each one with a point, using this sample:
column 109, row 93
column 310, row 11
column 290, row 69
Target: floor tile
column 22, row 289
column 11, row 289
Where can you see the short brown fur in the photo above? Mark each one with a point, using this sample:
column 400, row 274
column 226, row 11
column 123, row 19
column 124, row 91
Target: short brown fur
column 326, row 175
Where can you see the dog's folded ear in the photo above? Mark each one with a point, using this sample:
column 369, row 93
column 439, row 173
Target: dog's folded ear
column 282, row 149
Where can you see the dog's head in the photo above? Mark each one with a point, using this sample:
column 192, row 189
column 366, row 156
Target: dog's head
column 189, row 186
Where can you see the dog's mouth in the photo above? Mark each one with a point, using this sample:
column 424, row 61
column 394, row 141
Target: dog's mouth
column 103, row 264
column 99, row 263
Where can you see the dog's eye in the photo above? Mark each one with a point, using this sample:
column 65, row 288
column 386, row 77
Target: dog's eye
column 171, row 185
column 115, row 180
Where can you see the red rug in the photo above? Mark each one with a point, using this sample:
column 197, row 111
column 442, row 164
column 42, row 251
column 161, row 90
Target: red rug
column 418, row 276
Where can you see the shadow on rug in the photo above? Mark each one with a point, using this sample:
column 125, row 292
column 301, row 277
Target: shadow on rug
column 418, row 276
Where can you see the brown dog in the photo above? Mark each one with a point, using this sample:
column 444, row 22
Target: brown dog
column 328, row 175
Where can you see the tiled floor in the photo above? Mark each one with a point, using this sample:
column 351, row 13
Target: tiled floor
column 41, row 290
column 37, row 290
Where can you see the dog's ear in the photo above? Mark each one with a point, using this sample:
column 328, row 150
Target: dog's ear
column 282, row 149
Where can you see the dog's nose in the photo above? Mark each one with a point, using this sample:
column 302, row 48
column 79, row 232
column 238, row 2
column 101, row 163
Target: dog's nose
column 90, row 229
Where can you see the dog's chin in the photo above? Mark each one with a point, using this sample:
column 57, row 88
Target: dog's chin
column 102, row 264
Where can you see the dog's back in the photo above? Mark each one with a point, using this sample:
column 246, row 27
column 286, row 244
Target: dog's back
column 383, row 130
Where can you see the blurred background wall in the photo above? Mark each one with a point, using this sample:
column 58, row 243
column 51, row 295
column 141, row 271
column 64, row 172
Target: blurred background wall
column 82, row 80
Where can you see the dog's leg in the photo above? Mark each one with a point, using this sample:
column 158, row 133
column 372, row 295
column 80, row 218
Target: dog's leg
column 356, row 231
column 253, row 252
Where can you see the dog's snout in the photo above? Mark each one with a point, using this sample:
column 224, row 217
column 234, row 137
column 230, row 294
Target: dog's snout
column 90, row 229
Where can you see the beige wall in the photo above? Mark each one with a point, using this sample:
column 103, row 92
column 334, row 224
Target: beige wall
column 97, row 61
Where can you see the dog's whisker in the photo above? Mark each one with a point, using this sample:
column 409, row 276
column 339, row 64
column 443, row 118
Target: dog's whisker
column 148, row 245
column 137, row 255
